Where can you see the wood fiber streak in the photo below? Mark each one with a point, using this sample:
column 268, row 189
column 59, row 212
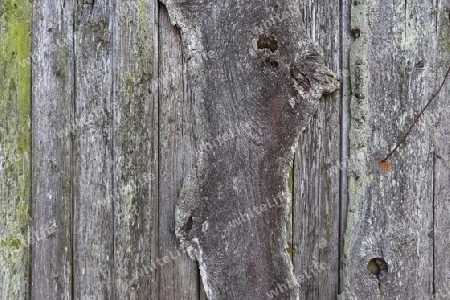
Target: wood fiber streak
column 53, row 95
column 178, row 274
column 317, row 171
column 93, row 153
column 135, row 146
column 399, row 57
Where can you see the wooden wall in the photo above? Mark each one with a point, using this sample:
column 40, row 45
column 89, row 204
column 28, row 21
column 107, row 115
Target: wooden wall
column 96, row 136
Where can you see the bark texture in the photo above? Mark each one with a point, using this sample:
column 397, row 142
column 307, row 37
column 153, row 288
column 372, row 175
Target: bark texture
column 253, row 95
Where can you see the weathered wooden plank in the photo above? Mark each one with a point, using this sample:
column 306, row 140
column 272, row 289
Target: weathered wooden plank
column 135, row 149
column 178, row 274
column 317, row 171
column 390, row 212
column 437, row 118
column 346, row 92
column 250, row 102
column 15, row 87
column 53, row 91
column 93, row 153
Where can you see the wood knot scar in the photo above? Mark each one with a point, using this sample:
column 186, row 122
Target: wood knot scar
column 267, row 42
column 300, row 78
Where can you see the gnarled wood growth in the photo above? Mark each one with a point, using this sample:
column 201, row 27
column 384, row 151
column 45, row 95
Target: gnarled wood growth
column 253, row 94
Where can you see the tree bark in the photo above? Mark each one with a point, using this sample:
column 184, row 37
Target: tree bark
column 255, row 88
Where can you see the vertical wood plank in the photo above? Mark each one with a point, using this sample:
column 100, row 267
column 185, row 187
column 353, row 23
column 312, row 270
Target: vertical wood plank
column 391, row 212
column 437, row 118
column 93, row 151
column 178, row 273
column 346, row 91
column 136, row 149
column 53, row 91
column 15, row 87
column 317, row 171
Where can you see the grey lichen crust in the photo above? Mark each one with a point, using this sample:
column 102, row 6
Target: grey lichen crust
column 256, row 78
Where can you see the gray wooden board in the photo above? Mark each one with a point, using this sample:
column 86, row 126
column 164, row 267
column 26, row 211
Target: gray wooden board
column 53, row 95
column 394, row 72
column 93, row 223
column 135, row 146
column 178, row 274
column 317, row 170
column 437, row 120
column 15, row 149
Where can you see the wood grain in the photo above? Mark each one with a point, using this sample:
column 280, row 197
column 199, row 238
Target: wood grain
column 437, row 120
column 394, row 59
column 251, row 101
column 93, row 222
column 53, row 100
column 317, row 170
column 15, row 148
column 135, row 146
column 130, row 112
column 178, row 274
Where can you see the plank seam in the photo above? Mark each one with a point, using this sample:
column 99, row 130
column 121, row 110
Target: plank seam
column 158, row 154
column 72, row 157
column 433, row 185
column 112, row 132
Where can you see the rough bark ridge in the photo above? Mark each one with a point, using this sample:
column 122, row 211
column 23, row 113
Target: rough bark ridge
column 256, row 80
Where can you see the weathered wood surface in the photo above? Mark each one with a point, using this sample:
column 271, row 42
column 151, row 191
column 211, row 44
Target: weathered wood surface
column 399, row 57
column 253, row 96
column 179, row 274
column 117, row 124
column 52, row 132
column 316, row 209
column 135, row 110
column 15, row 103
column 93, row 155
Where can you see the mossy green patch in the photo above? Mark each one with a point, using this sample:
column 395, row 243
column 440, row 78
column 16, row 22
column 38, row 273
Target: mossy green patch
column 15, row 105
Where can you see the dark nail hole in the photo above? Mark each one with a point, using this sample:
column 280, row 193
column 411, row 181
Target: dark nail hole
column 356, row 32
column 50, row 29
column 265, row 42
column 378, row 266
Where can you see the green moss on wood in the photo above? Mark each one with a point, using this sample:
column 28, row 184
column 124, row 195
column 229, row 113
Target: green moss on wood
column 15, row 91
